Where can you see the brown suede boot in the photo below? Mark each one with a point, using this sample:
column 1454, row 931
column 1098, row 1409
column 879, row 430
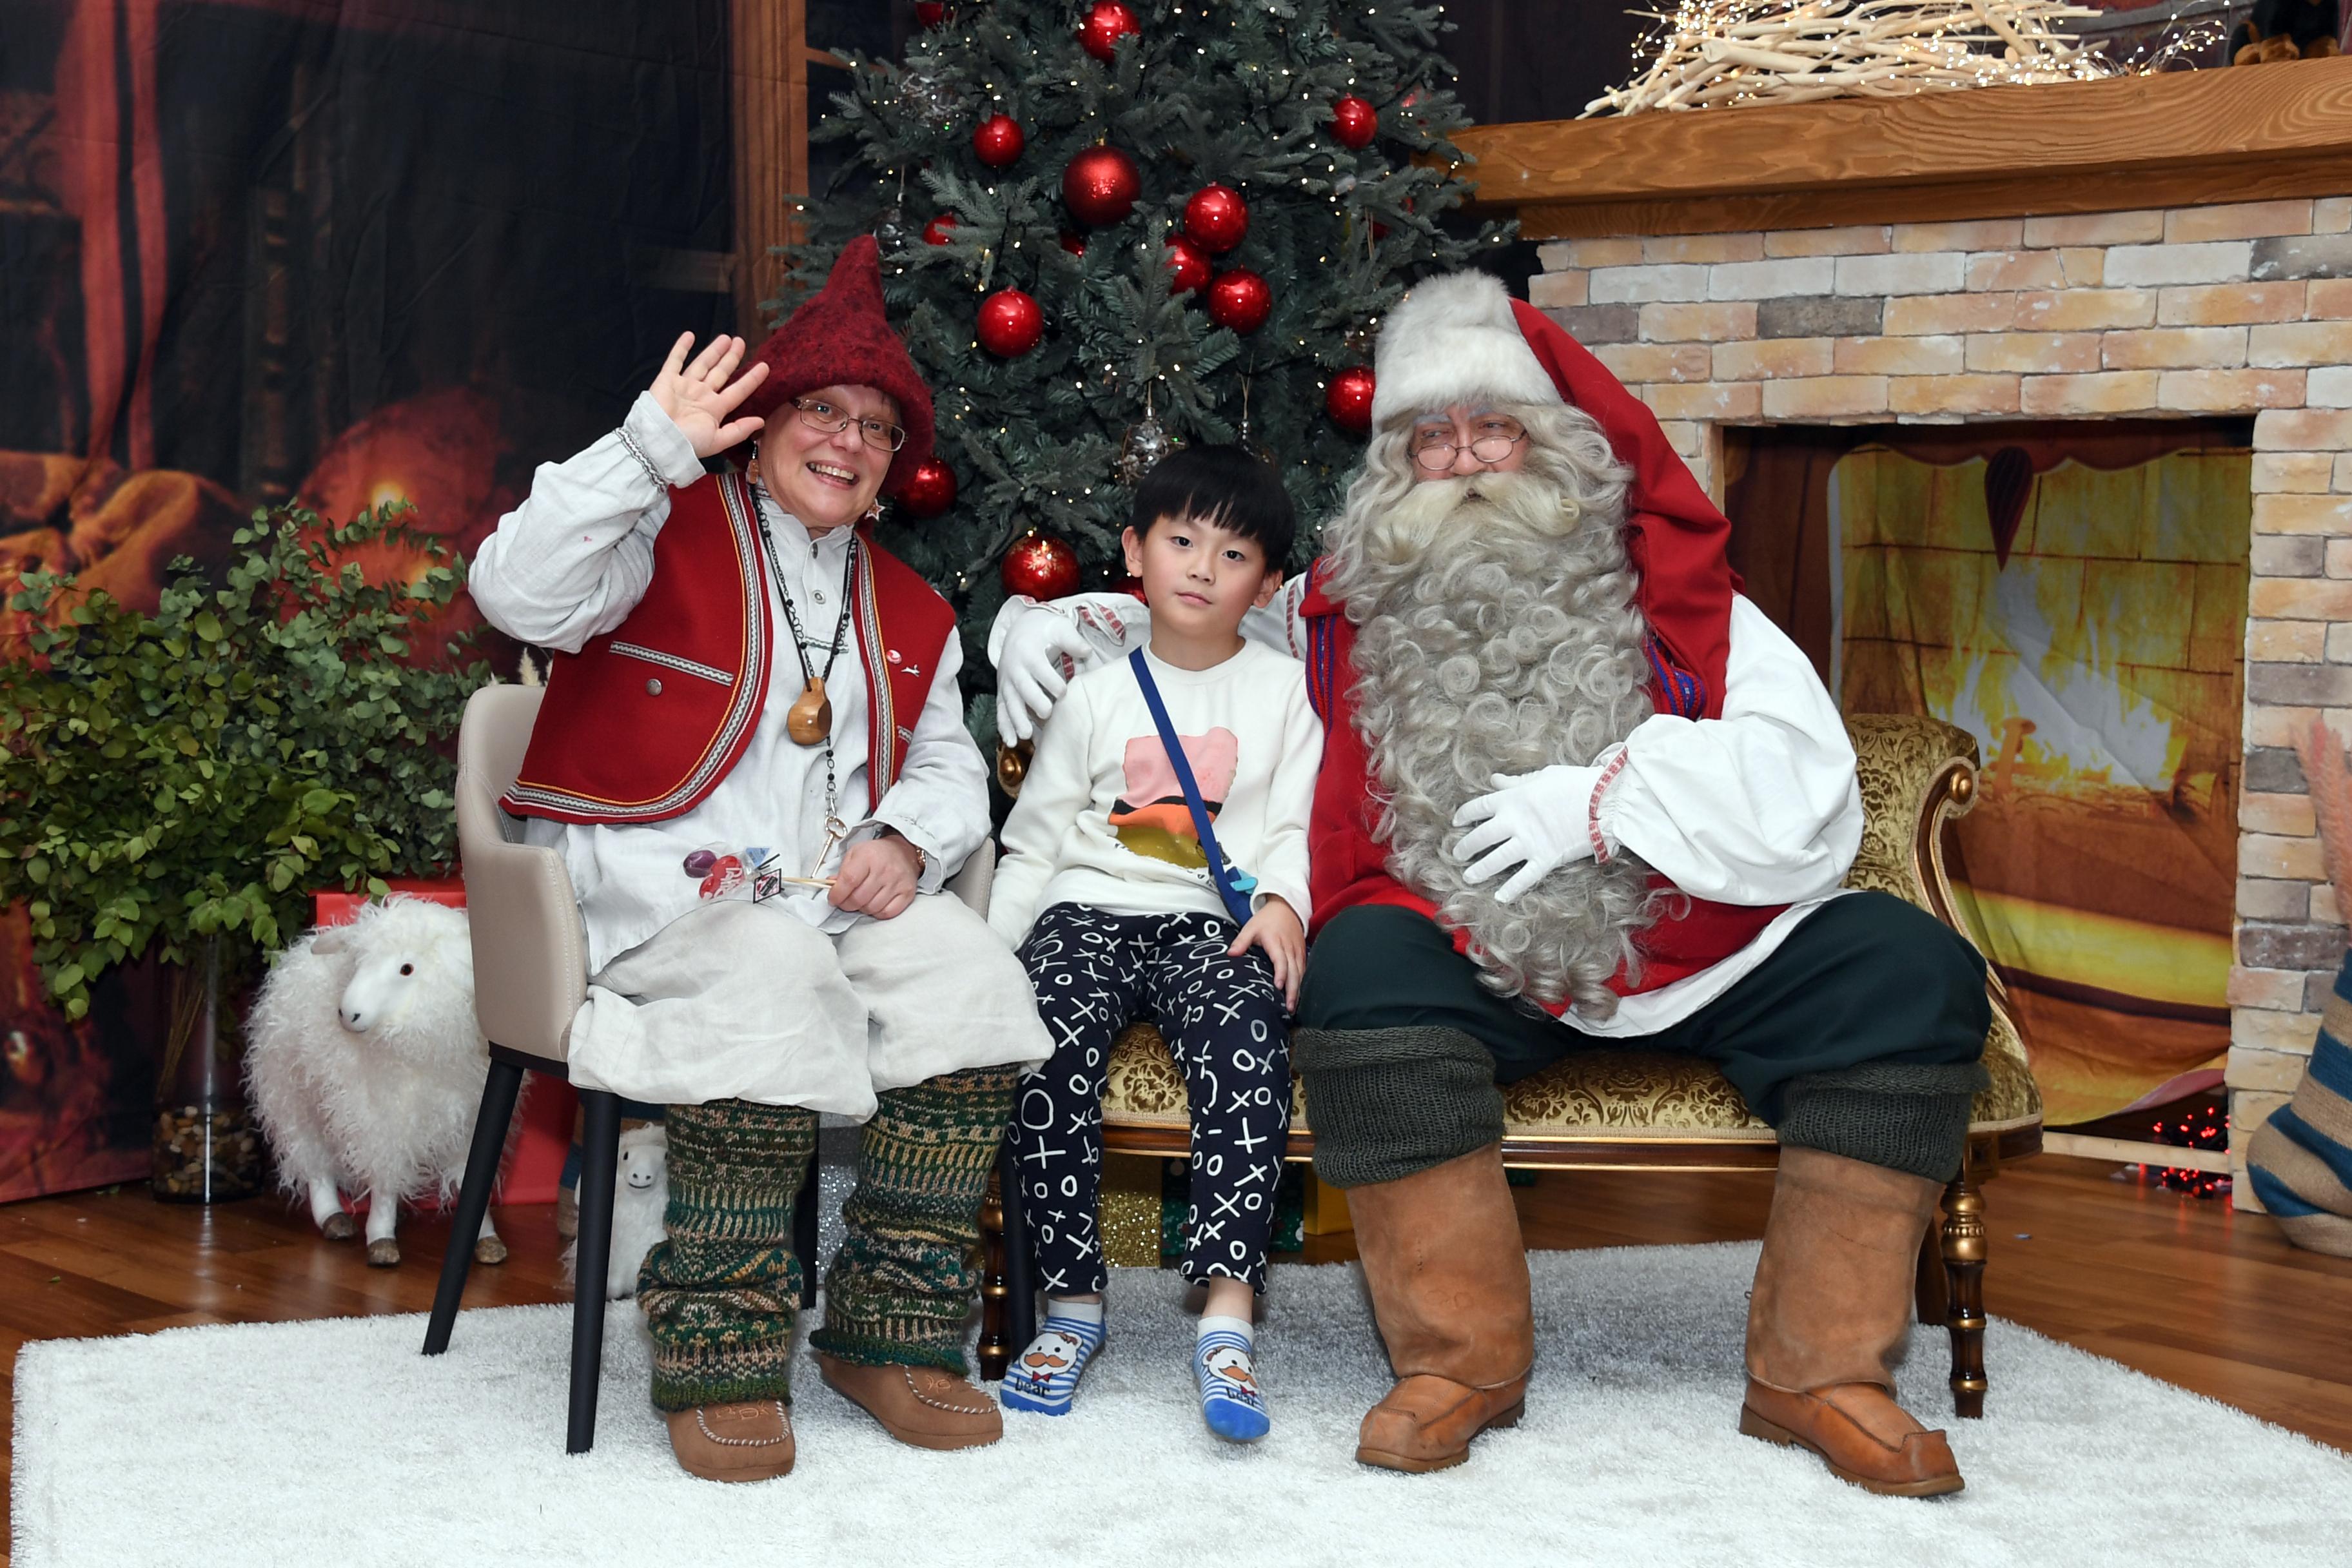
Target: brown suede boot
column 922, row 1407
column 1448, row 1275
column 1830, row 1312
column 748, row 1441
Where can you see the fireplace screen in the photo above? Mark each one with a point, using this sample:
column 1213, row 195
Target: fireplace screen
column 2075, row 598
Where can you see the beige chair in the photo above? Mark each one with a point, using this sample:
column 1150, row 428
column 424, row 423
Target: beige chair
column 1620, row 1109
column 530, row 974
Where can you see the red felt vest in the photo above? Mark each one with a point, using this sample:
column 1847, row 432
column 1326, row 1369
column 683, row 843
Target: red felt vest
column 1348, row 866
column 642, row 724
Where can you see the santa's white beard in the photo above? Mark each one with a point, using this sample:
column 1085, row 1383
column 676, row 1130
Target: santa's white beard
column 1498, row 634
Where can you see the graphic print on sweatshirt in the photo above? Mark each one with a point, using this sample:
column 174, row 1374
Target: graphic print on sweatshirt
column 1150, row 816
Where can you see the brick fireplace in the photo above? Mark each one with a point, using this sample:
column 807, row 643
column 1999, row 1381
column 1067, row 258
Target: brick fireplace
column 1991, row 285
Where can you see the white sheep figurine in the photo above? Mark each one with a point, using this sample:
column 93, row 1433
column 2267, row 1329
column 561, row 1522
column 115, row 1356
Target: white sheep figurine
column 365, row 1066
column 640, row 1199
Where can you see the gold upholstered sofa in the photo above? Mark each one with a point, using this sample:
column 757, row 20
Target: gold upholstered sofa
column 1621, row 1109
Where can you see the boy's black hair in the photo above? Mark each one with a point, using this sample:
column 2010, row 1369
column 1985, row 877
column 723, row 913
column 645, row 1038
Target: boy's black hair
column 1229, row 485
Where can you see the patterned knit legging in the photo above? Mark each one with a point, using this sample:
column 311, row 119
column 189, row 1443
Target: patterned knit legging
column 719, row 1293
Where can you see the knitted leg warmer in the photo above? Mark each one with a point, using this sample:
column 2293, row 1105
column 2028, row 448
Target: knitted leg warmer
column 721, row 1292
column 903, row 1283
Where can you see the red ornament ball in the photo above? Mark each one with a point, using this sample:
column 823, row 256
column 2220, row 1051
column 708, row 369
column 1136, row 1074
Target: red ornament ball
column 998, row 140
column 1132, row 586
column 929, row 491
column 930, row 13
column 1240, row 299
column 1075, row 243
column 1216, row 218
column 1010, row 323
column 1188, row 265
column 938, row 230
column 1107, row 22
column 1354, row 121
column 1100, row 186
column 1348, row 399
column 1041, row 566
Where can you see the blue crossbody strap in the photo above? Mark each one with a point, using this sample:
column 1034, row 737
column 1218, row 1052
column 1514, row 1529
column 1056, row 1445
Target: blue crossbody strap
column 1234, row 890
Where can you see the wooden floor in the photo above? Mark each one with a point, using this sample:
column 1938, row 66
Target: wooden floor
column 2184, row 1290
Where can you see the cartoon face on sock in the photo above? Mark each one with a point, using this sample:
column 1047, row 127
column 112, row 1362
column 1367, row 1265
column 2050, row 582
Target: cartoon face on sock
column 1232, row 1365
column 1053, row 1352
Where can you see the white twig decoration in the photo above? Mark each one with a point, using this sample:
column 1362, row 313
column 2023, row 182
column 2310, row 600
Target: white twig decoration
column 1711, row 52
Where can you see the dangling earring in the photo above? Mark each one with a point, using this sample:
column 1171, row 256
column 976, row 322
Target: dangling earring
column 874, row 513
column 751, row 468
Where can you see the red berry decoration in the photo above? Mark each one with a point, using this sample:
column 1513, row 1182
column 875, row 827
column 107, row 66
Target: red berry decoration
column 1107, row 22
column 938, row 230
column 1041, row 566
column 1348, row 399
column 1354, row 121
column 1075, row 243
column 998, row 140
column 1100, row 185
column 929, row 491
column 1216, row 218
column 1240, row 299
column 1010, row 323
column 1188, row 265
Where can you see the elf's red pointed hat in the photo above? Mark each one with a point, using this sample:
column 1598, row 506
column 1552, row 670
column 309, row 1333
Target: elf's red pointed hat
column 1461, row 338
column 842, row 337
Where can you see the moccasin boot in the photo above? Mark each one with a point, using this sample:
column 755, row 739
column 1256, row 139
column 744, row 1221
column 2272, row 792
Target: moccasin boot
column 751, row 1441
column 1830, row 1316
column 1448, row 1277
column 922, row 1407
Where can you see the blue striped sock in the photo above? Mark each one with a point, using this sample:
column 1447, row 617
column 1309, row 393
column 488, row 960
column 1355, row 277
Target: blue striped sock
column 1045, row 1377
column 1230, row 1402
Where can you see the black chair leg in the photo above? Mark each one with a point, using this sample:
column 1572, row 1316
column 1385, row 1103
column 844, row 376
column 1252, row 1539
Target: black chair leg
column 600, row 1154
column 805, row 1231
column 1020, row 1280
column 498, row 1092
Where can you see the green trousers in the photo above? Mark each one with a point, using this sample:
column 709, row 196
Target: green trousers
column 720, row 1294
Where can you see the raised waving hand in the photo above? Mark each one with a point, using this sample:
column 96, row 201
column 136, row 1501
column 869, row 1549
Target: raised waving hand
column 698, row 396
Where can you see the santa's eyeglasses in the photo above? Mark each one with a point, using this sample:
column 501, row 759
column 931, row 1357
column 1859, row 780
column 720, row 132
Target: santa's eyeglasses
column 819, row 414
column 1491, row 441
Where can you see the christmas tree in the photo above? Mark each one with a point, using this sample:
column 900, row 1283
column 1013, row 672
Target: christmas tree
column 1106, row 227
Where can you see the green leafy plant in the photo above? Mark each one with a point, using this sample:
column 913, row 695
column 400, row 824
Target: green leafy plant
column 193, row 774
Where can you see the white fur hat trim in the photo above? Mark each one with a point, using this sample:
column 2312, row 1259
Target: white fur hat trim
column 1454, row 339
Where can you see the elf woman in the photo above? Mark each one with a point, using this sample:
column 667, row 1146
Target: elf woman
column 753, row 757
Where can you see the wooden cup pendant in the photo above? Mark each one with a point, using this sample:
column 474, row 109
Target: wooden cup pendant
column 810, row 718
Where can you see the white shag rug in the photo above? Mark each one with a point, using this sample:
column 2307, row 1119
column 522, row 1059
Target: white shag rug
column 336, row 1443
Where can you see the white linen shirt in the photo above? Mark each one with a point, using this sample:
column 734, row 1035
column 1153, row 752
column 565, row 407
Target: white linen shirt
column 1759, row 807
column 575, row 558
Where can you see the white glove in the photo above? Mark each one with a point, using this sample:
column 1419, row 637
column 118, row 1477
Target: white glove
column 1540, row 818
column 1042, row 649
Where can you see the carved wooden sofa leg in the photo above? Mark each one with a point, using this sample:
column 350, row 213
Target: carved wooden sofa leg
column 1962, row 1243
column 995, row 1354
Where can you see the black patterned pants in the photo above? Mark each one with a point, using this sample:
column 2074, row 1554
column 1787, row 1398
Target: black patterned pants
column 1223, row 1019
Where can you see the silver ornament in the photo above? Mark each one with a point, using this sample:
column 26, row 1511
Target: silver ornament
column 923, row 92
column 1141, row 449
column 890, row 231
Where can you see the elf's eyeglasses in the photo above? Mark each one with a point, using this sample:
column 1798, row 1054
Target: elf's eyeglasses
column 819, row 414
column 1491, row 441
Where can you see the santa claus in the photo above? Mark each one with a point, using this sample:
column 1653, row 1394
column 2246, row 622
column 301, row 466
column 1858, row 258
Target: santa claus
column 1575, row 788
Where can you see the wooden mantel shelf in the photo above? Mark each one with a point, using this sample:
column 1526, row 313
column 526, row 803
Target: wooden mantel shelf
column 2183, row 138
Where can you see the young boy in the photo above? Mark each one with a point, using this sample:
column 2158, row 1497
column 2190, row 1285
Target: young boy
column 1107, row 889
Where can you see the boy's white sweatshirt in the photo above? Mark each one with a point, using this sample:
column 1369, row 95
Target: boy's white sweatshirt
column 1254, row 745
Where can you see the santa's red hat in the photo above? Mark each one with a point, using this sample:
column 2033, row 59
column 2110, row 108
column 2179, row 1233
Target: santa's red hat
column 1462, row 337
column 843, row 337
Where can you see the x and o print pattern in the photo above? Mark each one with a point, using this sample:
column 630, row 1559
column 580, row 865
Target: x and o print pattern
column 1223, row 1017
